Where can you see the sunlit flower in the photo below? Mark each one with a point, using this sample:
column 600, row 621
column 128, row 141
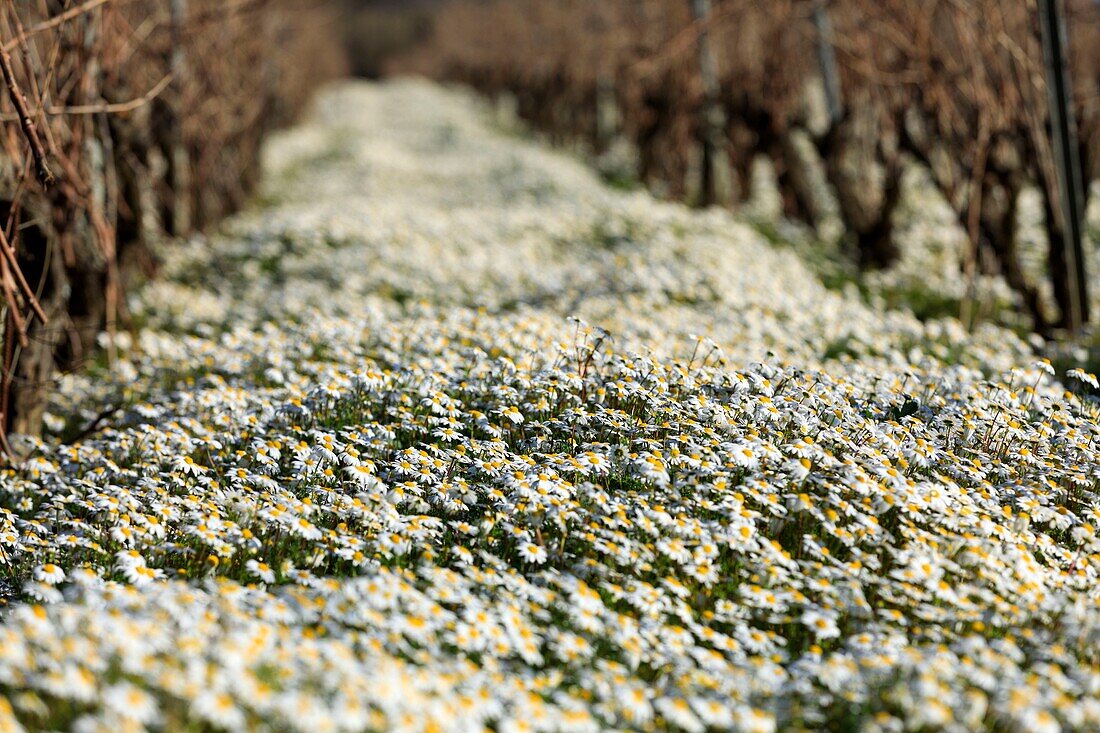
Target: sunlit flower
column 49, row 573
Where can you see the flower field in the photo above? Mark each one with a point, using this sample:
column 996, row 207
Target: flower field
column 445, row 434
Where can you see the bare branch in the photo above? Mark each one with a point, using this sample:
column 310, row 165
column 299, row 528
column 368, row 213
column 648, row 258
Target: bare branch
column 45, row 176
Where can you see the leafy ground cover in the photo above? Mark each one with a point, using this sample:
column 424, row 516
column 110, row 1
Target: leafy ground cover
column 450, row 435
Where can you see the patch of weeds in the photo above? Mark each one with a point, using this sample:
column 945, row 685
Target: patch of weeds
column 907, row 408
column 925, row 303
column 843, row 346
column 620, row 180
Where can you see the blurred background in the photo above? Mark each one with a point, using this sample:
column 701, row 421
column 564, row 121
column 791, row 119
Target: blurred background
column 841, row 115
column 936, row 152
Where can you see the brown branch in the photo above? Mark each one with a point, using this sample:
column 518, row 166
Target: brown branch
column 106, row 107
column 12, row 300
column 197, row 23
column 45, row 176
column 9, row 255
column 54, row 22
column 682, row 42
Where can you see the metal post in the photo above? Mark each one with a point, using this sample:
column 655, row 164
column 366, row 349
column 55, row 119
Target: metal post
column 607, row 111
column 826, row 58
column 181, row 164
column 1066, row 162
column 717, row 172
